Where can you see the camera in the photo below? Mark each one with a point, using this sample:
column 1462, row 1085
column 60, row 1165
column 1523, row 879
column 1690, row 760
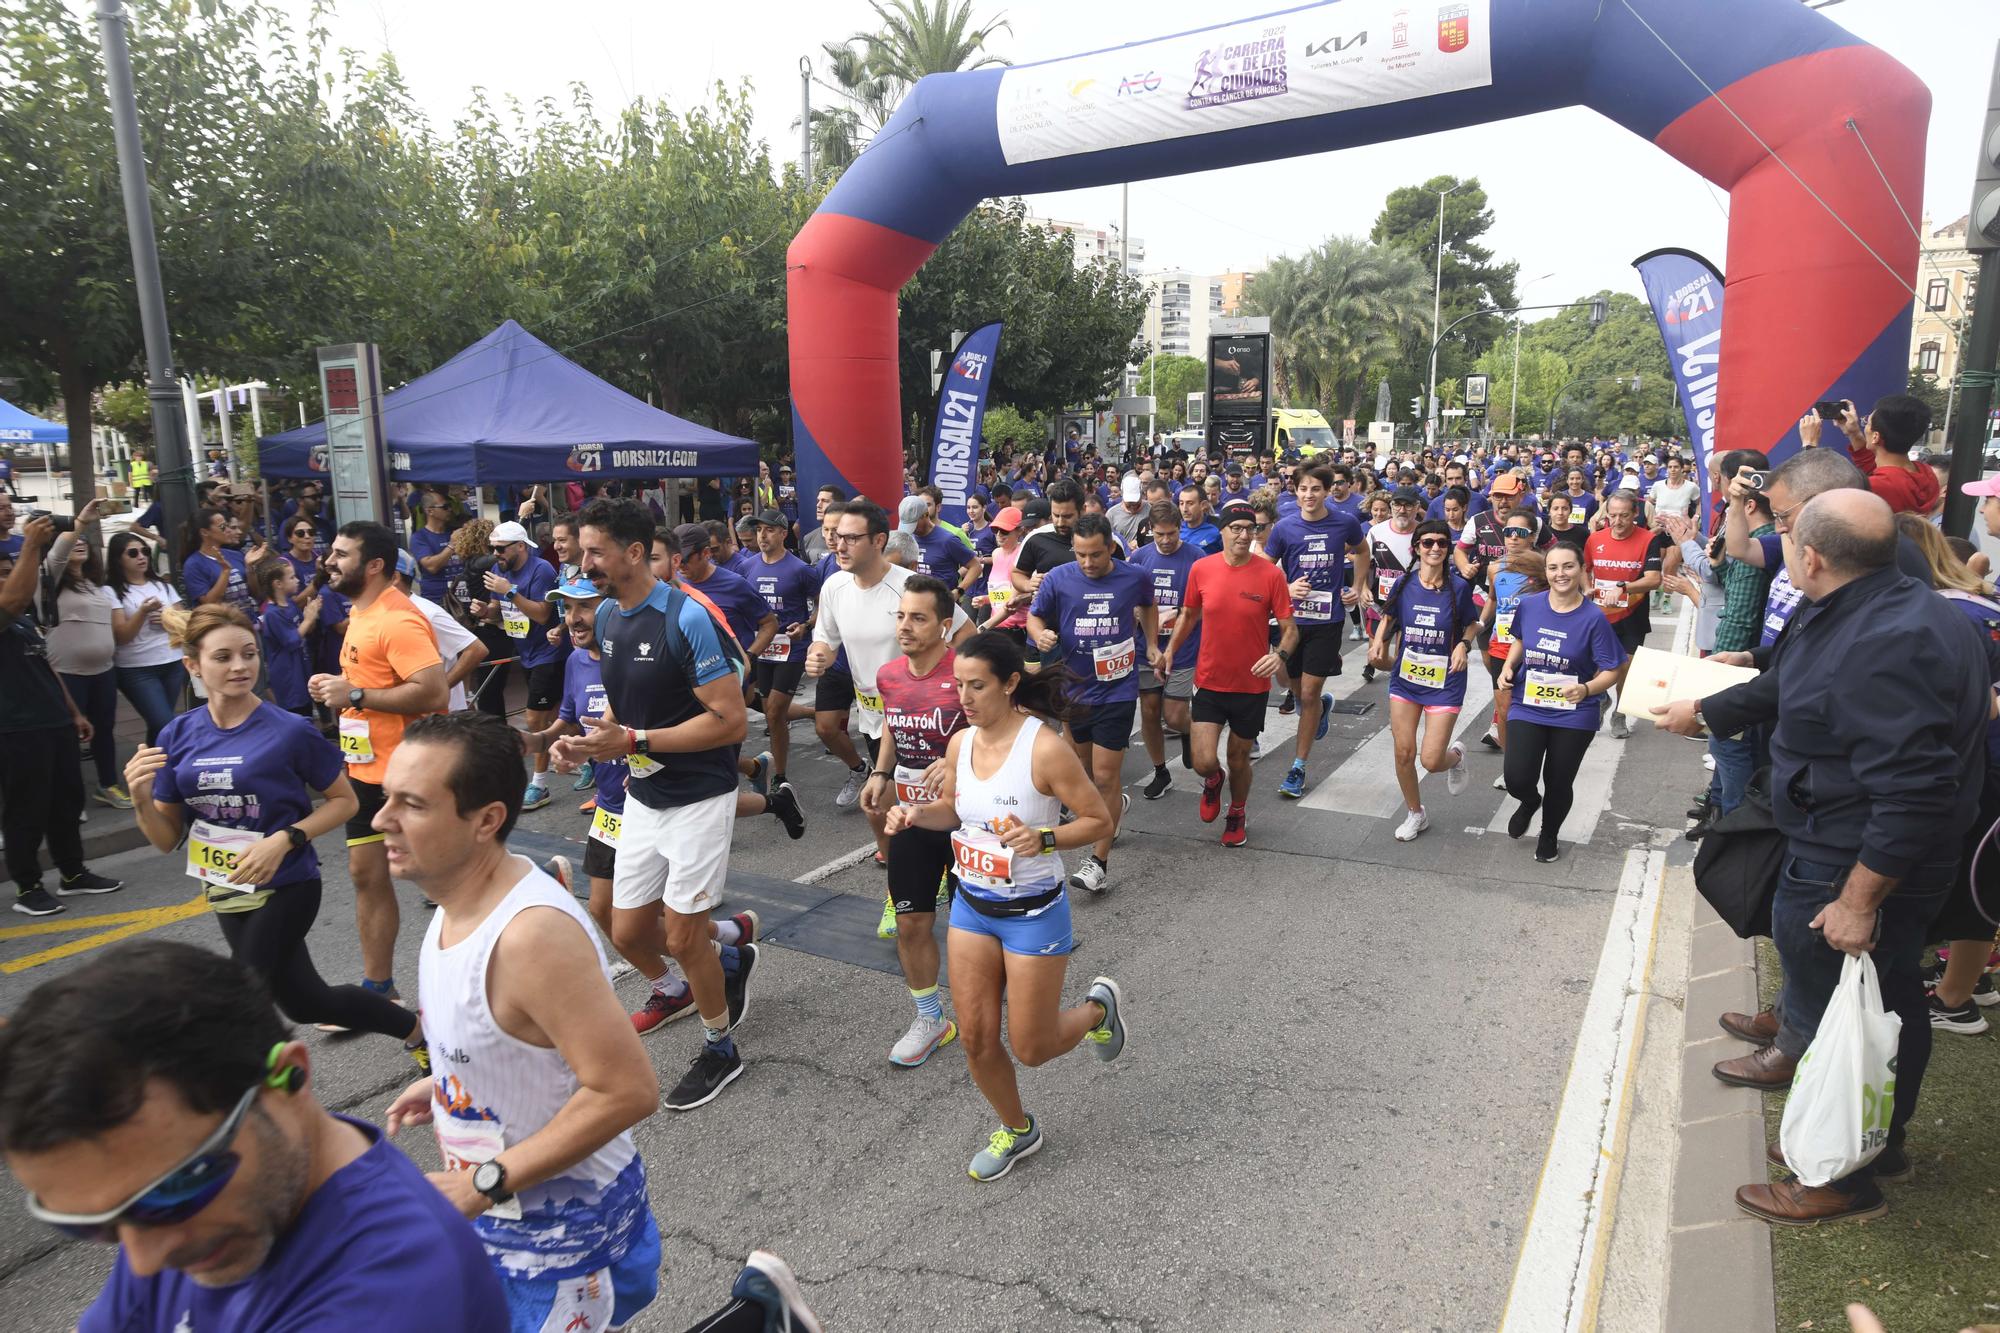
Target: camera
column 1756, row 481
column 61, row 522
column 477, row 568
column 1829, row 410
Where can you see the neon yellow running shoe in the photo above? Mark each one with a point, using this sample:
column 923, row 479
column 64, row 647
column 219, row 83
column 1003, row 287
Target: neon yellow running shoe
column 885, row 929
column 1006, row 1147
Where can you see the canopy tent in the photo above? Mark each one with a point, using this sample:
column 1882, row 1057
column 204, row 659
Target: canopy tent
column 509, row 410
column 18, row 427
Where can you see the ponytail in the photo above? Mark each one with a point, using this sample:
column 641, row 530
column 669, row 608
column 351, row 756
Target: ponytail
column 1044, row 693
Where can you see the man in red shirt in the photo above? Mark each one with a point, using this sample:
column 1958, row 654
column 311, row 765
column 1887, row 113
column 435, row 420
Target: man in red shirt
column 1622, row 561
column 1880, row 446
column 1238, row 594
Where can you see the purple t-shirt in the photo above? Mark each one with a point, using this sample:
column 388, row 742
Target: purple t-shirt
column 1096, row 621
column 259, row 774
column 1315, row 549
column 941, row 555
column 284, row 654
column 582, row 697
column 1560, row 648
column 200, row 573
column 1169, row 577
column 787, row 586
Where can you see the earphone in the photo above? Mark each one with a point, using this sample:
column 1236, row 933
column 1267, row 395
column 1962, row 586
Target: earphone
column 288, row 1078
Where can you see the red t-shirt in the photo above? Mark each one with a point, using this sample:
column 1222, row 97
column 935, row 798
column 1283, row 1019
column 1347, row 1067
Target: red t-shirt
column 1237, row 604
column 1610, row 562
column 1912, row 492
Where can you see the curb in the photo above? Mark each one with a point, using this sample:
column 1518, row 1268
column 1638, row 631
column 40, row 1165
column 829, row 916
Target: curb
column 103, row 837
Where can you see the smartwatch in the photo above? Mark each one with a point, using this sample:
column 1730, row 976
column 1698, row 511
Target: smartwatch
column 298, row 837
column 639, row 740
column 354, row 698
column 1048, row 840
column 490, row 1179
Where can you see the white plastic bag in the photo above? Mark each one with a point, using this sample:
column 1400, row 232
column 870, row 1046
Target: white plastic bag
column 1837, row 1117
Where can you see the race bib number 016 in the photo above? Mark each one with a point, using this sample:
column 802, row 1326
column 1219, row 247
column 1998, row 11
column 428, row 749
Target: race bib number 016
column 988, row 867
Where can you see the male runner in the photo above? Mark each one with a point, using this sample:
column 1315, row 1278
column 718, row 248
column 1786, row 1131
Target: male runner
column 519, row 584
column 940, row 553
column 1623, row 563
column 1092, row 611
column 672, row 675
column 788, row 586
column 1196, row 529
column 1045, row 548
column 539, row 1077
column 1312, row 549
column 749, row 617
column 833, row 696
column 1167, row 562
column 1238, row 594
column 390, row 670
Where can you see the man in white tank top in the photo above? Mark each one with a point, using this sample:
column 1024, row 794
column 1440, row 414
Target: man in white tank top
column 539, row 1075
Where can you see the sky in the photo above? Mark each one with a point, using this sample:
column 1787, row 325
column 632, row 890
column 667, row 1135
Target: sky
column 1575, row 198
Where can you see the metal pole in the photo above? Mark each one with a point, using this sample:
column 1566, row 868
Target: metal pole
column 1514, row 384
column 1437, row 316
column 1978, row 358
column 805, row 119
column 222, row 425
column 175, row 482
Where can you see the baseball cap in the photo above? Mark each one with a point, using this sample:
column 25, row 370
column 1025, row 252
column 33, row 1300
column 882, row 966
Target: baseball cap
column 691, row 537
column 1984, row 486
column 772, row 518
column 1405, row 495
column 1506, row 483
column 1036, row 511
column 509, row 531
column 406, row 564
column 910, row 512
column 1006, row 520
column 1236, row 511
column 1235, row 468
column 577, row 590
column 1131, row 490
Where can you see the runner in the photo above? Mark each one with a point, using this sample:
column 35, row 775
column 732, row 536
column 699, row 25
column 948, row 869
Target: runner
column 833, row 695
column 461, row 650
column 541, row 1078
column 235, row 781
column 519, row 584
column 1093, row 610
column 390, row 671
column 1006, row 778
column 922, row 713
column 1565, row 656
column 788, row 585
column 1390, row 554
column 672, row 678
column 1164, row 699
column 941, row 554
column 1007, row 609
column 1312, row 549
column 1518, row 572
column 1623, row 563
column 1238, row 596
column 1430, row 610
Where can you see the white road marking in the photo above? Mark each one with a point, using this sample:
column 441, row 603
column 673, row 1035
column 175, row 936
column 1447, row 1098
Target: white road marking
column 1365, row 782
column 1561, row 1266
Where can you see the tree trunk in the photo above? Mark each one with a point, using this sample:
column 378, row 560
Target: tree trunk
column 74, row 379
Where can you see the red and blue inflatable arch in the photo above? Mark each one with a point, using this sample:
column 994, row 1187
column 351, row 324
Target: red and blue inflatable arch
column 1818, row 299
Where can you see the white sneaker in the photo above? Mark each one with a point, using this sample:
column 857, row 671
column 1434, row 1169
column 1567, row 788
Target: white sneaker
column 1500, row 783
column 1415, row 822
column 1621, row 728
column 1089, row 876
column 850, row 790
column 1708, row 762
column 1458, row 777
column 924, row 1037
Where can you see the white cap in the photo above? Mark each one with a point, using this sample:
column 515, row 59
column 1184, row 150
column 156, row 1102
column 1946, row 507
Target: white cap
column 509, row 531
column 1630, row 482
column 912, row 509
column 1131, row 490
column 1654, row 459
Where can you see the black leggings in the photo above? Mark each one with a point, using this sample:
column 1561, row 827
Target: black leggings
column 1548, row 756
column 271, row 941
column 41, row 795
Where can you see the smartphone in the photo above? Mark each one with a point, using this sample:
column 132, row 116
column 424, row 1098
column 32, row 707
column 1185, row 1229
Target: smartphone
column 1829, row 410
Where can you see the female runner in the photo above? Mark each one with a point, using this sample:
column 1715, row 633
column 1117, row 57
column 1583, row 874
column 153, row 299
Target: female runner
column 1430, row 609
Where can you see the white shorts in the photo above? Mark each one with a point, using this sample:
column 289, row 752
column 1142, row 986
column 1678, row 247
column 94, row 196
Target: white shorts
column 679, row 855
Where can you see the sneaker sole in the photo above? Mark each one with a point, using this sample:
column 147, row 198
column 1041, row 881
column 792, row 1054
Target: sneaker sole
column 945, row 1038
column 777, row 1274
column 39, row 911
column 525, row 806
column 1156, row 795
column 1959, row 1029
column 1012, row 1162
column 62, row 892
column 713, row 1092
column 756, row 926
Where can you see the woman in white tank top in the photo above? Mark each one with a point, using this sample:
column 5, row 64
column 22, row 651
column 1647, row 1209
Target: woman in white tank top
column 1008, row 775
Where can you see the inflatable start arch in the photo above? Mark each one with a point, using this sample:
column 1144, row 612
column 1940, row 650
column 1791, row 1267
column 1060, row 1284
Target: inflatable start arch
column 1756, row 95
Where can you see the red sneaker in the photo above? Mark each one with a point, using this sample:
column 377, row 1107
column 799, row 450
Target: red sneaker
column 1235, row 827
column 747, row 923
column 1211, row 797
column 660, row 1010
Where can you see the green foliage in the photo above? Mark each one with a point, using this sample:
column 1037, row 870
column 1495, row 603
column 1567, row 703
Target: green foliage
column 1543, row 374
column 1933, row 394
column 872, row 70
column 1346, row 307
column 1003, row 422
column 1603, row 360
column 1170, row 379
column 1472, row 278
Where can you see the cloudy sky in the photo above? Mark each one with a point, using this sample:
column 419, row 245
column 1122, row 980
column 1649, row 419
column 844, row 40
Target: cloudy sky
column 1575, row 197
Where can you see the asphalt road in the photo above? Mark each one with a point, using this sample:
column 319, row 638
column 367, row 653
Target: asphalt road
column 1347, row 1056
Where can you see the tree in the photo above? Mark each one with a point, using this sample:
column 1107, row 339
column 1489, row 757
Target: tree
column 873, row 70
column 1278, row 293
column 1472, row 278
column 1347, row 307
column 1925, row 386
column 1170, row 378
column 1543, row 374
column 1603, row 360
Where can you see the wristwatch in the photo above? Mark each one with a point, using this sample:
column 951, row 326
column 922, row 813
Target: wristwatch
column 354, row 698
column 298, row 837
column 1048, row 840
column 490, row 1179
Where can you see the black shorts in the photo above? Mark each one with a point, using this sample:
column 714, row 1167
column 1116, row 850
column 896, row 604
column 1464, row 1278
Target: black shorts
column 361, row 827
column 1494, row 665
column 545, row 683
column 1317, row 652
column 1631, row 632
column 1106, row 726
column 1243, row 713
column 783, row 677
column 600, row 859
column 918, row 859
column 835, row 693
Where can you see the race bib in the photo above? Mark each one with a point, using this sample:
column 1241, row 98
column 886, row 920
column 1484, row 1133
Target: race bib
column 985, row 867
column 604, row 827
column 355, row 747
column 869, row 701
column 212, row 851
column 1503, row 627
column 910, row 788
column 1112, row 661
column 464, row 1144
column 1315, row 605
column 1000, row 594
column 780, row 649
column 1385, row 582
column 1426, row 669
column 1169, row 617
column 1610, row 594
column 641, row 766
column 513, row 620
column 1545, row 690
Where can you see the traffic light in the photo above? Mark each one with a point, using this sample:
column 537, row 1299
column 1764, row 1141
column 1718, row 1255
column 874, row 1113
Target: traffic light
column 1600, row 310
column 1417, row 407
column 1983, row 232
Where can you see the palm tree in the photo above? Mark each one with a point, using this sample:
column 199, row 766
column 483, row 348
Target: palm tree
column 1360, row 302
column 1276, row 293
column 873, row 70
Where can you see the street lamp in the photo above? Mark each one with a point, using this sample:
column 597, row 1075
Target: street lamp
column 1437, row 314
column 1514, row 380
column 1597, row 305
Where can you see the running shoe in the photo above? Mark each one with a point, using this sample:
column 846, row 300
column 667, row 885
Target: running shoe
column 559, row 870
column 1546, row 849
column 784, row 803
column 1964, row 1019
column 767, row 1282
column 1325, row 718
column 1708, row 762
column 1414, row 822
column 36, row 902
column 1124, row 807
column 1211, row 797
column 1108, row 1037
column 944, row 892
column 1235, row 827
column 748, row 926
column 850, row 790
column 1006, row 1147
column 1256, row 748
column 737, row 988
column 1294, row 785
column 1090, row 877
column 1368, row 675
column 1983, row 993
column 113, row 796
column 1500, row 782
column 1621, row 728
column 1459, row 776
column 712, row 1071
column 1288, row 705
column 586, row 777
column 1490, row 740
column 588, row 807
column 760, row 773
column 660, row 1010
column 535, row 797
column 1159, row 785
column 923, row 1038
column 89, row 881
column 885, row 929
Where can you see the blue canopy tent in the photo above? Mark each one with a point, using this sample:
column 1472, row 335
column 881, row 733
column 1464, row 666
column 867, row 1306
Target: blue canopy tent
column 18, row 427
column 510, row 410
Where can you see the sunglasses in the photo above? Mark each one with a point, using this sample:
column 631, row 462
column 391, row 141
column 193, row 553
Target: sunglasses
column 1434, row 544
column 503, row 548
column 170, row 1200
column 1517, row 532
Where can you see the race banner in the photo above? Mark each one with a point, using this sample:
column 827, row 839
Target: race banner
column 1686, row 295
column 960, row 410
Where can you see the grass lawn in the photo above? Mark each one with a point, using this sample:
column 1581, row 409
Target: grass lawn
column 1932, row 1265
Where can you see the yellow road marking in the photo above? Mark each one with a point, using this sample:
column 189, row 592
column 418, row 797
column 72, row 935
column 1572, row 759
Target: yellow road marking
column 121, row 925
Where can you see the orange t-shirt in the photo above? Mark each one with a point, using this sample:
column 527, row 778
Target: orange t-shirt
column 386, row 644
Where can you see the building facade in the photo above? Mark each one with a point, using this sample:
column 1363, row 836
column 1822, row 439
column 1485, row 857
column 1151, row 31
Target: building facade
column 1179, row 307
column 1947, row 276
column 1093, row 243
